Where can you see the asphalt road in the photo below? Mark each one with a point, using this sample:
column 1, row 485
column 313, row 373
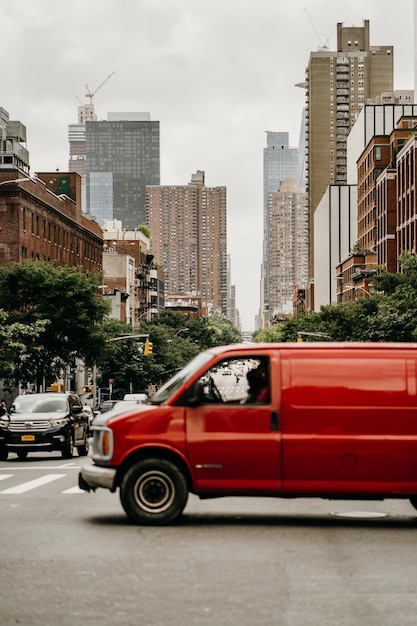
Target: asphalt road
column 72, row 558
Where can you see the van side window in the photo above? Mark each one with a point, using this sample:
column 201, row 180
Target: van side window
column 236, row 381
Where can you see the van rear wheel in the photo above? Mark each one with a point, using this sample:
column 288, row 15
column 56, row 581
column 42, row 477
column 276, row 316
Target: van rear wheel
column 413, row 501
column 153, row 492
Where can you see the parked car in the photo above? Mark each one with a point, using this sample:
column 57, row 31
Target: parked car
column 90, row 412
column 45, row 422
column 121, row 406
column 105, row 406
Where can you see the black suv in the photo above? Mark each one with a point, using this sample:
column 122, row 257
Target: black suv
column 44, row 422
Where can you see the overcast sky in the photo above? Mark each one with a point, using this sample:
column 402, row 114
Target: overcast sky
column 216, row 74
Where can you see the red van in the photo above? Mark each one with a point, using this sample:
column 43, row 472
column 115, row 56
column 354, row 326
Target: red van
column 326, row 420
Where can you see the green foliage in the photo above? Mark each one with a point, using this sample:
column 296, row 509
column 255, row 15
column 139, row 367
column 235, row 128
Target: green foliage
column 17, row 344
column 388, row 315
column 145, row 230
column 66, row 301
column 176, row 339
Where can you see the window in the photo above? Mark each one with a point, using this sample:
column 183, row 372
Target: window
column 236, row 381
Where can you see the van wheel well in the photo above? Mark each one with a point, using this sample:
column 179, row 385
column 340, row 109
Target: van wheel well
column 152, row 453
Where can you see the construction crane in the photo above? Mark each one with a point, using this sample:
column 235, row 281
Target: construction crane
column 91, row 94
column 322, row 46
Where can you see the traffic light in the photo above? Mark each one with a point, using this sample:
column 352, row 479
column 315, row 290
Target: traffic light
column 148, row 348
column 87, row 389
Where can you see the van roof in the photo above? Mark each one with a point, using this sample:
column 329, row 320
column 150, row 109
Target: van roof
column 310, row 345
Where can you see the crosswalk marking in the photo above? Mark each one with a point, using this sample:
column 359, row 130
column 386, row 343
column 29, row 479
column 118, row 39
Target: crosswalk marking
column 74, row 490
column 3, row 476
column 32, row 484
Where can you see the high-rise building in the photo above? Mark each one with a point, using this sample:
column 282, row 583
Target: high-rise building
column 338, row 85
column 288, row 246
column 122, row 157
column 280, row 162
column 76, row 137
column 189, row 239
column 13, row 152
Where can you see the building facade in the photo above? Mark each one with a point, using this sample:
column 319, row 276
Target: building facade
column 336, row 228
column 338, row 85
column 38, row 224
column 122, row 157
column 133, row 283
column 288, row 246
column 188, row 225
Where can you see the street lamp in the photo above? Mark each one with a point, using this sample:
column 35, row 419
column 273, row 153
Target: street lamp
column 129, row 337
column 181, row 330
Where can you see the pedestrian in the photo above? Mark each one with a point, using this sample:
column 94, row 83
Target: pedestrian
column 3, row 408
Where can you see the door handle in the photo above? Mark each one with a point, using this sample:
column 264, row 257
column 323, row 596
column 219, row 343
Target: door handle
column 274, row 420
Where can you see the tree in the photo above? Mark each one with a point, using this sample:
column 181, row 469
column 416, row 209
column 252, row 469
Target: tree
column 145, row 230
column 390, row 314
column 13, row 341
column 66, row 300
column 176, row 338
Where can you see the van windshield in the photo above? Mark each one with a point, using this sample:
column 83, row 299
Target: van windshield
column 170, row 387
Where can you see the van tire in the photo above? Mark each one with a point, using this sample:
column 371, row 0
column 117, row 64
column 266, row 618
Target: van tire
column 413, row 501
column 153, row 492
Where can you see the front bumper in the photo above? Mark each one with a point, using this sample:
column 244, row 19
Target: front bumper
column 93, row 476
column 52, row 439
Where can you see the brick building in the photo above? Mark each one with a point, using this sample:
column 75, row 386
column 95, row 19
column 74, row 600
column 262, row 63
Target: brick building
column 41, row 218
column 133, row 284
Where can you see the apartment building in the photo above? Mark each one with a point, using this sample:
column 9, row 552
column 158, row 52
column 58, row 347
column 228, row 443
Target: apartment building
column 188, row 225
column 338, row 85
column 288, row 246
column 132, row 282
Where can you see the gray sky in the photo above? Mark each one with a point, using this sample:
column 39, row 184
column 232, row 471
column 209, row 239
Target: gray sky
column 216, row 74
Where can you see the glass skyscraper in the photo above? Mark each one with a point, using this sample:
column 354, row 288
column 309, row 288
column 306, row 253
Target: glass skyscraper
column 122, row 157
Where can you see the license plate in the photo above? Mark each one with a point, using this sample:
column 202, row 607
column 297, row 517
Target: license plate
column 27, row 438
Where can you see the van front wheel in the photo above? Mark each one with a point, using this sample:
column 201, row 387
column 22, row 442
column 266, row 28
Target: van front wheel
column 153, row 492
column 413, row 501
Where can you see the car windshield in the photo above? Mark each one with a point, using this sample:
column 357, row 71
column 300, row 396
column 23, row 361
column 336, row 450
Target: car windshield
column 170, row 387
column 31, row 404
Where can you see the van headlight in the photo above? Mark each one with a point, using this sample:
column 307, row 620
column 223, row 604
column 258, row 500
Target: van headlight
column 102, row 444
column 4, row 423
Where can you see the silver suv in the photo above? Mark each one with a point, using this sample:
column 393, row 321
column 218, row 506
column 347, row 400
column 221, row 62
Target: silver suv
column 44, row 422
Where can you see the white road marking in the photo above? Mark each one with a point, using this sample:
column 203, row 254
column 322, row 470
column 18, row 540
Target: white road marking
column 3, row 476
column 74, row 490
column 32, row 484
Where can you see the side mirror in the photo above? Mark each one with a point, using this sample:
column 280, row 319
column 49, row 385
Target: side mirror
column 77, row 409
